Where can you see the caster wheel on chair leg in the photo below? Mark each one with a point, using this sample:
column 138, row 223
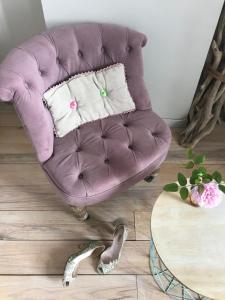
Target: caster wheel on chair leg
column 152, row 176
column 149, row 178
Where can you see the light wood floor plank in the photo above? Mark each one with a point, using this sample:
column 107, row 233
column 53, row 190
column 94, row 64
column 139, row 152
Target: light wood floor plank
column 22, row 175
column 15, row 146
column 61, row 225
column 83, row 288
column 49, row 257
column 43, row 197
column 9, row 118
column 44, row 232
column 168, row 172
column 148, row 290
column 213, row 146
column 32, row 174
column 26, row 158
column 13, row 140
column 6, row 106
column 142, row 225
column 8, row 115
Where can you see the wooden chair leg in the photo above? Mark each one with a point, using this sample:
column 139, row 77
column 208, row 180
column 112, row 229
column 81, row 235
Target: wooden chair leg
column 80, row 212
column 151, row 177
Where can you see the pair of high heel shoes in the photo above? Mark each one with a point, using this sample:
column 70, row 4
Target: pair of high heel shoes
column 109, row 257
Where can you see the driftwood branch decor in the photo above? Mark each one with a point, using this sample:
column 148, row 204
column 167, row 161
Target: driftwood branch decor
column 208, row 106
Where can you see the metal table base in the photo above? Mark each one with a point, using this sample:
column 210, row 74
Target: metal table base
column 169, row 284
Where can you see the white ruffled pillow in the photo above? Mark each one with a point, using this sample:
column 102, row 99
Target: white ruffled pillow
column 88, row 97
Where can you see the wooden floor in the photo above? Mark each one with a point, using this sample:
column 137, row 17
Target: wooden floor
column 38, row 232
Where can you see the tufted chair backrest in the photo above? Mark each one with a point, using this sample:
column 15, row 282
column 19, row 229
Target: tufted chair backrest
column 46, row 59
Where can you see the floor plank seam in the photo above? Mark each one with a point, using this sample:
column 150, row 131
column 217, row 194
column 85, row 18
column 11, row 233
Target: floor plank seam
column 69, row 240
column 135, row 230
column 61, row 274
column 137, row 286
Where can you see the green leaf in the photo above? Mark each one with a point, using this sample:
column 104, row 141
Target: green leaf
column 199, row 159
column 181, row 179
column 195, row 173
column 192, row 180
column 222, row 188
column 207, row 178
column 202, row 170
column 201, row 188
column 197, row 181
column 184, row 193
column 171, row 187
column 190, row 153
column 194, row 177
column 189, row 165
column 217, row 176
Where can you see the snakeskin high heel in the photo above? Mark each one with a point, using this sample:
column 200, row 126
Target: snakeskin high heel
column 73, row 261
column 110, row 257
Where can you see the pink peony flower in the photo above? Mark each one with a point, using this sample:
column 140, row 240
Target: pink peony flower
column 211, row 197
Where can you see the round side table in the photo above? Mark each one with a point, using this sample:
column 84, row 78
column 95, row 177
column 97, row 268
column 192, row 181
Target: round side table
column 187, row 250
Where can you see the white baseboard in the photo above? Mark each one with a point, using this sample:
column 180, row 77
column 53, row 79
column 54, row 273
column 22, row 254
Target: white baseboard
column 175, row 122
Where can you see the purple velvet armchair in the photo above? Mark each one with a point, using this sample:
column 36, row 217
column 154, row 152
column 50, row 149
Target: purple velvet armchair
column 99, row 159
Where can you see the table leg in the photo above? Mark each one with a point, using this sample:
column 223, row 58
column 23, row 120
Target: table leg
column 167, row 282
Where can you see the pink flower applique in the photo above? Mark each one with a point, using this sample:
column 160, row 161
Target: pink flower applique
column 73, row 104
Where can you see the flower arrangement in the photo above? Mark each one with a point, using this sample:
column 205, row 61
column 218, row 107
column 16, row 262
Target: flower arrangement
column 202, row 188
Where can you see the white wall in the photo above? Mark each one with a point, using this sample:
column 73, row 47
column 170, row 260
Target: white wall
column 179, row 32
column 19, row 20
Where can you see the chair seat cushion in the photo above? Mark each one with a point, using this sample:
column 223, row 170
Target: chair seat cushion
column 101, row 156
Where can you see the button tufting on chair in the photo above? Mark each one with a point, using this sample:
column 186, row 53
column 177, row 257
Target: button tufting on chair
column 154, row 134
column 57, row 156
column 27, row 85
column 81, row 176
column 80, row 53
column 122, row 159
column 42, row 72
column 129, row 48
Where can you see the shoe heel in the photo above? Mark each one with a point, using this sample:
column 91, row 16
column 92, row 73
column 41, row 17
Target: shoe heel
column 70, row 272
column 111, row 256
column 74, row 260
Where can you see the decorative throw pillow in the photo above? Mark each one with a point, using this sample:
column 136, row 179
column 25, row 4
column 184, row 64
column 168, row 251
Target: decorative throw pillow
column 87, row 97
